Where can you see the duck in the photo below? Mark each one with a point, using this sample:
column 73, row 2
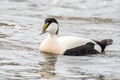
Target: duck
column 68, row 45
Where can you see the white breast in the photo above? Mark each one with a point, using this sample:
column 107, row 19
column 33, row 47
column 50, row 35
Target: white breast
column 51, row 45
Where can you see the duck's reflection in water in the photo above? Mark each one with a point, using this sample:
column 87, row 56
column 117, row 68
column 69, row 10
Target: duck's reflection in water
column 48, row 66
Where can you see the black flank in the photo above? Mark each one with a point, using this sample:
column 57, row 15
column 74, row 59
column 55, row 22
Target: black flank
column 82, row 50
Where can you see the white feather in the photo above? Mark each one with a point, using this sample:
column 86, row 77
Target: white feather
column 52, row 28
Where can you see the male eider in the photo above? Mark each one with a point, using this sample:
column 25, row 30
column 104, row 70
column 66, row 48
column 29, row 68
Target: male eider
column 70, row 45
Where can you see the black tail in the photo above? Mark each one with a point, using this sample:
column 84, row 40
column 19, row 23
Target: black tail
column 104, row 43
column 107, row 41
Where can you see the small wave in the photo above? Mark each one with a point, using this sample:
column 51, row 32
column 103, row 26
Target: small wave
column 9, row 63
column 3, row 35
column 5, row 24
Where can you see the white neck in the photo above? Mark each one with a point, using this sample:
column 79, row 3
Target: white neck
column 52, row 36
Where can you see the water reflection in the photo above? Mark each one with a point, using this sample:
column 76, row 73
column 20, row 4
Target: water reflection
column 48, row 66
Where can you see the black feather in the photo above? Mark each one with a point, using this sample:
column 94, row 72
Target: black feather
column 82, row 50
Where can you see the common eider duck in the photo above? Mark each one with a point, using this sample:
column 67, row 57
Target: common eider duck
column 69, row 44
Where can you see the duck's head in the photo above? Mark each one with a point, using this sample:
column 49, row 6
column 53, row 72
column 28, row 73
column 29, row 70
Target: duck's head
column 50, row 25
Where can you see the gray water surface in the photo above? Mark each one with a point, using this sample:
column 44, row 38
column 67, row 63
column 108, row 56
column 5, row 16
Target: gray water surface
column 20, row 24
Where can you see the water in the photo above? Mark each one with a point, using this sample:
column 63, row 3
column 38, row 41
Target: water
column 20, row 24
